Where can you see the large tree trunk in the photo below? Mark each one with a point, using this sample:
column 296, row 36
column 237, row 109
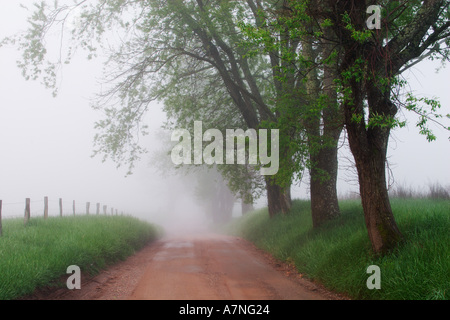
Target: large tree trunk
column 381, row 226
column 369, row 148
column 323, row 142
column 324, row 200
column 365, row 68
column 278, row 198
column 368, row 139
column 323, row 183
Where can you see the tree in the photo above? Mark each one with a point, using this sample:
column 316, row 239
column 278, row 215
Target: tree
column 237, row 71
column 161, row 42
column 304, row 67
column 203, row 97
column 372, row 61
column 366, row 75
column 166, row 42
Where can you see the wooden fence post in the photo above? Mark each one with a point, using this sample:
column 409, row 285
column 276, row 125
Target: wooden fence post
column 45, row 207
column 60, row 207
column 88, row 204
column 1, row 204
column 73, row 207
column 104, row 209
column 27, row 211
column 98, row 208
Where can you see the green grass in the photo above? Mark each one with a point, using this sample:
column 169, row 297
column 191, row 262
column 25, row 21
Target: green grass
column 338, row 254
column 38, row 255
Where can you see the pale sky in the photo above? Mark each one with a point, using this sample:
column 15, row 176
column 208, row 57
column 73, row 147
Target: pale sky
column 46, row 143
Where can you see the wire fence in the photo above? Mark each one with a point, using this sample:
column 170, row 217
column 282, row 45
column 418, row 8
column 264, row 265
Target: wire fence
column 51, row 207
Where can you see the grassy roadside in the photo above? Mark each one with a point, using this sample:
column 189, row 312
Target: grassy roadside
column 338, row 254
column 38, row 254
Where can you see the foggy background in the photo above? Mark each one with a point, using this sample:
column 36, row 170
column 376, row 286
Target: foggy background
column 46, row 145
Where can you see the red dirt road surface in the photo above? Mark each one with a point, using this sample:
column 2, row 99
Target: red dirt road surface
column 203, row 266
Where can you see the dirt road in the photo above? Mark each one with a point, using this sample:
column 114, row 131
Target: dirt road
column 198, row 267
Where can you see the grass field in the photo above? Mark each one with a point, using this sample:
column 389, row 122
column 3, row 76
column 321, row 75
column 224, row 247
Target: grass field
column 39, row 254
column 339, row 253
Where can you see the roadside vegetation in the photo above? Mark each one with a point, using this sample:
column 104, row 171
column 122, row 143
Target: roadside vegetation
column 338, row 254
column 37, row 255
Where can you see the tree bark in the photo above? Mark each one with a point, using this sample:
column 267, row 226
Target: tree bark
column 368, row 140
column 324, row 200
column 323, row 142
column 369, row 148
column 383, row 231
column 278, row 198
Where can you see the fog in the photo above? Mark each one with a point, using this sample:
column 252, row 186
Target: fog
column 46, row 146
